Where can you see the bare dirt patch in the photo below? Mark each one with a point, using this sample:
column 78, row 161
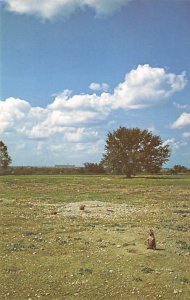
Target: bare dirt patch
column 93, row 209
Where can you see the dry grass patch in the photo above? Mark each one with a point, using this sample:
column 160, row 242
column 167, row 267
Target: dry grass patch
column 50, row 249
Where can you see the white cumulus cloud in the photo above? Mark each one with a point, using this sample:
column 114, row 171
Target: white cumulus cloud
column 182, row 121
column 72, row 123
column 143, row 87
column 99, row 86
column 147, row 86
column 12, row 111
column 49, row 9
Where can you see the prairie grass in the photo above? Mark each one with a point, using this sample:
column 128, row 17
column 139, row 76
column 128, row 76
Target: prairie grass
column 52, row 250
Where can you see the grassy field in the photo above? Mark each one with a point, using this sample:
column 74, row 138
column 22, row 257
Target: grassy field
column 52, row 250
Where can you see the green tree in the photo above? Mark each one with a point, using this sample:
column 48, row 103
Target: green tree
column 179, row 169
column 5, row 159
column 129, row 151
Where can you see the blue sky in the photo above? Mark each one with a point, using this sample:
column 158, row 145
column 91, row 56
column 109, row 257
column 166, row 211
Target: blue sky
column 73, row 71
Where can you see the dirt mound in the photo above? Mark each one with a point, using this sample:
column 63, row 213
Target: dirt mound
column 94, row 209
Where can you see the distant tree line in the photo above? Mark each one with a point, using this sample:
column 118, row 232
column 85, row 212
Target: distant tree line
column 178, row 169
column 27, row 170
column 90, row 169
column 128, row 151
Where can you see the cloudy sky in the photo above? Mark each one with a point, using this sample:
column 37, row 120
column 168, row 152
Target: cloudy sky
column 73, row 70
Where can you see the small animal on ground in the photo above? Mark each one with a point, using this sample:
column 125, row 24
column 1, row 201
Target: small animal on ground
column 151, row 241
column 82, row 207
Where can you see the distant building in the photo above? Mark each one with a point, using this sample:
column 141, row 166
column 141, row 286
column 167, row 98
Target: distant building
column 65, row 166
